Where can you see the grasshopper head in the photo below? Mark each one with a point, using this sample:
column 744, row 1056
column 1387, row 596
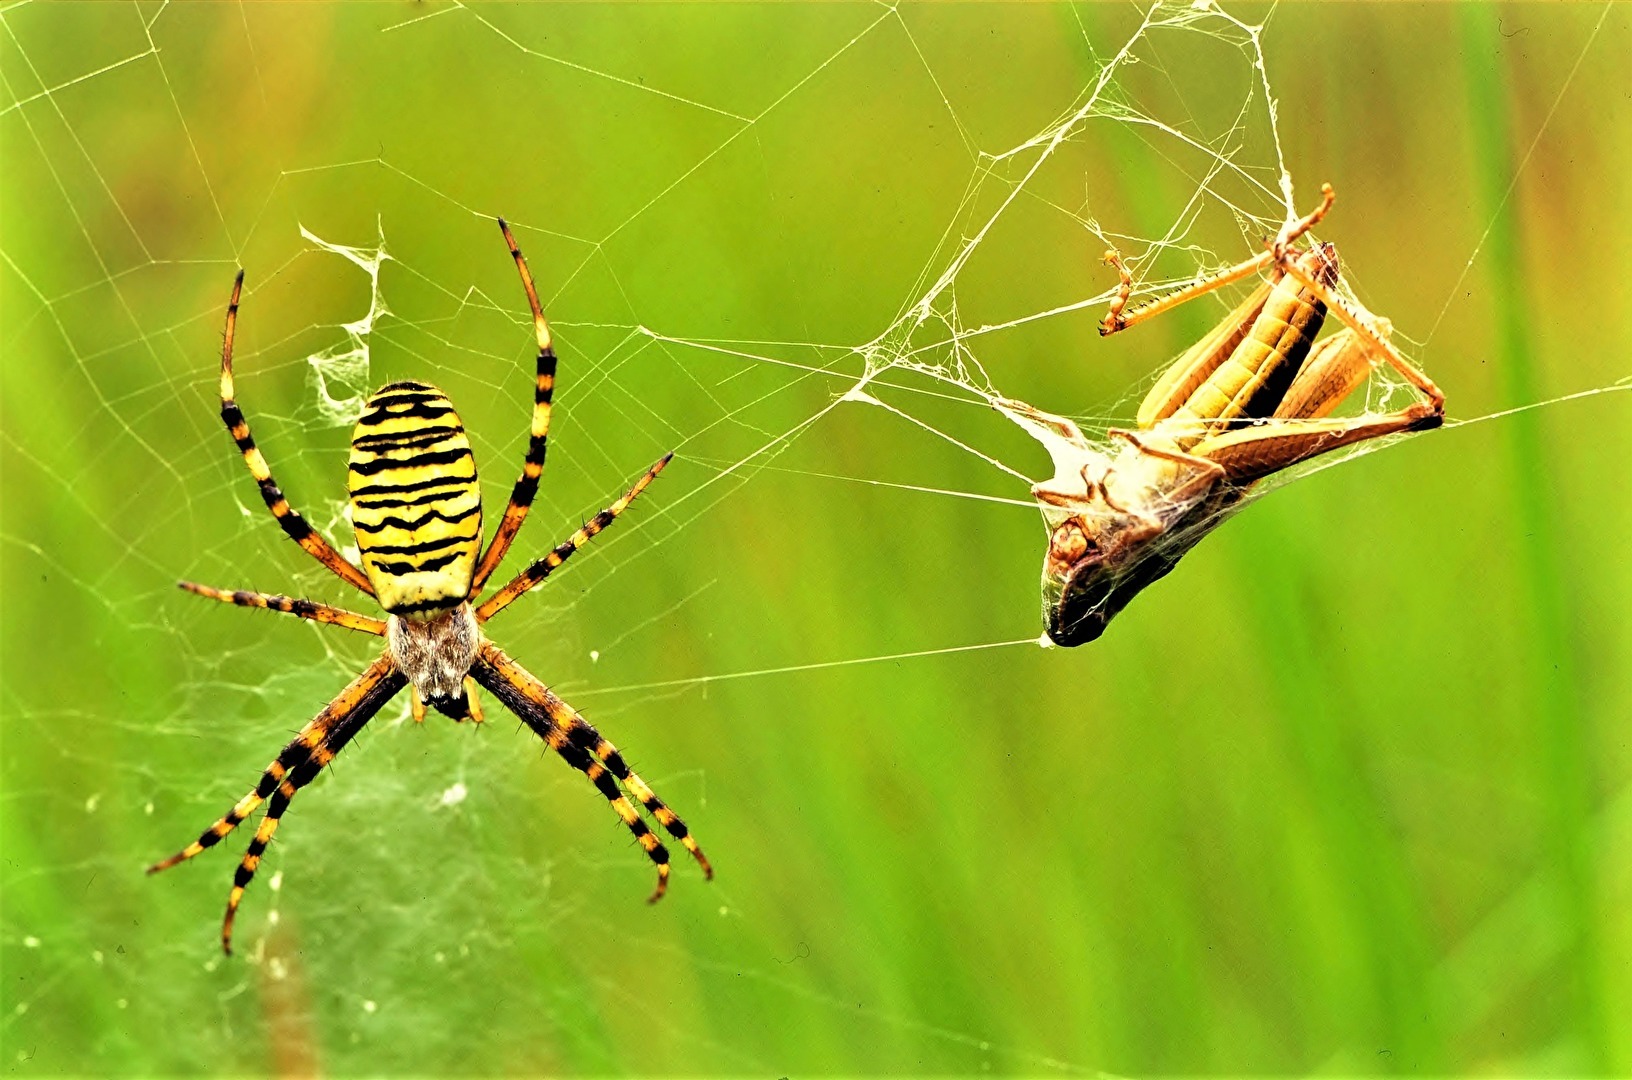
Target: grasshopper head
column 1095, row 564
column 1117, row 519
column 1126, row 531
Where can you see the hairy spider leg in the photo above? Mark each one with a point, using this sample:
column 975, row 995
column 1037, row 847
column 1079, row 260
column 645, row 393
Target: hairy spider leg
column 543, row 568
column 297, row 751
column 292, row 768
column 288, row 518
column 584, row 734
column 383, row 682
column 1275, row 258
column 501, row 681
column 304, row 609
column 585, row 749
column 532, row 467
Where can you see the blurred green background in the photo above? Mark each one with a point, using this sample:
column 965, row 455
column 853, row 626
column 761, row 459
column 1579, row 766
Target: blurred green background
column 1350, row 792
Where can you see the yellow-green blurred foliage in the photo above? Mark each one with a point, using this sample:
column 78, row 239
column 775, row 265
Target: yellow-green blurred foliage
column 1349, row 792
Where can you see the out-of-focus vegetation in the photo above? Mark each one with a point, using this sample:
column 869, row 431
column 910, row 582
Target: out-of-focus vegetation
column 1350, row 792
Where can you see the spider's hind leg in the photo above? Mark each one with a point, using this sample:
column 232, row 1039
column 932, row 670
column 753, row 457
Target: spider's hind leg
column 582, row 747
column 583, row 734
column 294, row 768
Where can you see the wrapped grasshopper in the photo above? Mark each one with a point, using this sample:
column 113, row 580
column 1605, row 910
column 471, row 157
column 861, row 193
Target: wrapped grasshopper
column 1250, row 399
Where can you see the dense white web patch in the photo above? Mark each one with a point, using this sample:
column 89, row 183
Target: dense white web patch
column 924, row 368
column 342, row 368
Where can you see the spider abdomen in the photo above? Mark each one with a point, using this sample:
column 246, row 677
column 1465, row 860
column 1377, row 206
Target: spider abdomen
column 415, row 503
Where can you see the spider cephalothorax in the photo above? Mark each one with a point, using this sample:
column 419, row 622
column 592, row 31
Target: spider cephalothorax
column 436, row 655
column 416, row 507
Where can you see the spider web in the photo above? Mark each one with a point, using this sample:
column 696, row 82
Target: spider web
column 822, row 352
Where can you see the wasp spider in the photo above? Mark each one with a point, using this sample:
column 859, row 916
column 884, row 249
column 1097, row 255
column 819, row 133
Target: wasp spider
column 418, row 517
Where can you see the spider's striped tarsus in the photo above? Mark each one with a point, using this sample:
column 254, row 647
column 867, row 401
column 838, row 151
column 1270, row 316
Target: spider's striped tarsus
column 416, row 508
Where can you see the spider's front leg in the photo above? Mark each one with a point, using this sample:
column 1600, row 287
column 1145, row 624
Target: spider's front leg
column 538, row 438
column 297, row 528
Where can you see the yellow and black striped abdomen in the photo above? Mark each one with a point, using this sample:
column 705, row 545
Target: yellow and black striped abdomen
column 414, row 500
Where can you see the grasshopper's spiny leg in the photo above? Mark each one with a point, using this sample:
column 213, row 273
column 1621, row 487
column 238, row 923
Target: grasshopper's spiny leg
column 1294, row 230
column 1251, row 453
column 544, row 567
column 1361, row 325
column 1115, row 319
column 1299, row 429
column 297, row 528
column 522, row 495
column 305, row 609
